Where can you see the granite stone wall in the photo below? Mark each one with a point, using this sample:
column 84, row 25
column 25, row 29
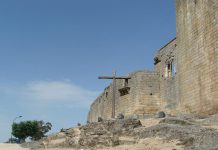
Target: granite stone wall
column 166, row 67
column 197, row 55
column 142, row 97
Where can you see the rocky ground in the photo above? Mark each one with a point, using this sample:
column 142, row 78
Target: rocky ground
column 170, row 133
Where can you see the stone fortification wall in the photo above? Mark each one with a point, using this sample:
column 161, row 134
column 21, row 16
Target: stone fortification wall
column 165, row 66
column 197, row 55
column 186, row 70
column 142, row 97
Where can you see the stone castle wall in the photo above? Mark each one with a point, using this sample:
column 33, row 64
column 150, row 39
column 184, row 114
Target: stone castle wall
column 165, row 66
column 197, row 55
column 143, row 97
column 185, row 76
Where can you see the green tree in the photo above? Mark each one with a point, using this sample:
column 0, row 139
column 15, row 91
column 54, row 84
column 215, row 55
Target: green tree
column 33, row 129
column 42, row 129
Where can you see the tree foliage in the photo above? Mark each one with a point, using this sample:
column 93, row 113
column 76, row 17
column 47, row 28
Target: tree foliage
column 33, row 129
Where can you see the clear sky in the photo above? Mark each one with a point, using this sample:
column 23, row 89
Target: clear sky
column 51, row 52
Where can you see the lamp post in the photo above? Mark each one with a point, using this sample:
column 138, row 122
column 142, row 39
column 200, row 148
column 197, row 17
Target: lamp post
column 12, row 124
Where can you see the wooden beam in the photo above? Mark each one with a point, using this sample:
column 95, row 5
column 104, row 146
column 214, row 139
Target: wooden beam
column 114, row 95
column 108, row 77
column 114, row 77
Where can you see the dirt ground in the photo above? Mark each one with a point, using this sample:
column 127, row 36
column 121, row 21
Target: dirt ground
column 18, row 147
column 145, row 144
column 150, row 144
column 11, row 147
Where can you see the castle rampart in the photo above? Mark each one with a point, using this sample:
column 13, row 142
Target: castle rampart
column 185, row 76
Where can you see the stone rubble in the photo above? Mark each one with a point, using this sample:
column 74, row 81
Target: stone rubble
column 192, row 134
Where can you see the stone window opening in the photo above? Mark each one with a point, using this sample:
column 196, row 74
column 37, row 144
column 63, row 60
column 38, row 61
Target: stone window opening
column 173, row 69
column 125, row 89
column 126, row 82
column 106, row 94
column 167, row 71
column 170, row 70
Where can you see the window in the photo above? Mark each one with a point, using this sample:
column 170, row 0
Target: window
column 166, row 71
column 173, row 69
column 126, row 82
column 170, row 70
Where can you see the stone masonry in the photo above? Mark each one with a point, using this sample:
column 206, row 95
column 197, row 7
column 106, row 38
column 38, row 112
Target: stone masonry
column 137, row 95
column 197, row 55
column 185, row 76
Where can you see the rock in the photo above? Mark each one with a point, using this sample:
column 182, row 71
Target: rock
column 161, row 114
column 120, row 116
column 126, row 140
column 108, row 133
column 193, row 137
column 134, row 116
column 100, row 119
column 175, row 121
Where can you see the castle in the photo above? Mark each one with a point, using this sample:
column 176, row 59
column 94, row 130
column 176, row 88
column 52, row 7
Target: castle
column 185, row 75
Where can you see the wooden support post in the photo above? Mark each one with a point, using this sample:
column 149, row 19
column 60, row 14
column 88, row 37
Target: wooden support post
column 114, row 95
column 114, row 78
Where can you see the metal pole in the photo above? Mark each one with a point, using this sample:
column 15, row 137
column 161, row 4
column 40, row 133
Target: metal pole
column 12, row 124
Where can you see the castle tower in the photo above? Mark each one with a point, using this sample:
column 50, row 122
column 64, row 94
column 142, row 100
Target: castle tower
column 197, row 55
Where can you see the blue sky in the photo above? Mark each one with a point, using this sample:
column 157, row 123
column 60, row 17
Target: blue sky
column 51, row 52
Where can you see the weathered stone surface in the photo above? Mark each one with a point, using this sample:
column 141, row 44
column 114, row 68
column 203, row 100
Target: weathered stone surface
column 176, row 121
column 192, row 136
column 190, row 132
column 100, row 134
column 197, row 55
column 138, row 101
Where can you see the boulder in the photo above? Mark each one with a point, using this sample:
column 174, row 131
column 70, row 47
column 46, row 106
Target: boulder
column 120, row 116
column 161, row 114
column 100, row 119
